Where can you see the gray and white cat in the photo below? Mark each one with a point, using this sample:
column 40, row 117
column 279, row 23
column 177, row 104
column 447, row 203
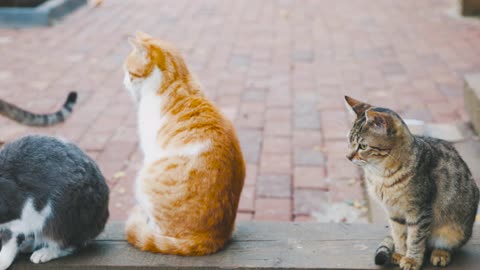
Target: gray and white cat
column 53, row 199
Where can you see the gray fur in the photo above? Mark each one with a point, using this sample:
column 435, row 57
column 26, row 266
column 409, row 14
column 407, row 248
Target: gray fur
column 26, row 244
column 57, row 173
column 32, row 119
column 5, row 235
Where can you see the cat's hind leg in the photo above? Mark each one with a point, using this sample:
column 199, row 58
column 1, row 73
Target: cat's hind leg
column 50, row 251
column 9, row 249
column 440, row 257
column 443, row 241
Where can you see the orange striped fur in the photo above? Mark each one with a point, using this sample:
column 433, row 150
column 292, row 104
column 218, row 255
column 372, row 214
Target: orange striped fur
column 189, row 186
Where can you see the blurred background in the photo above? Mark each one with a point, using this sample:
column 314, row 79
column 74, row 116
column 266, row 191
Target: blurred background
column 277, row 68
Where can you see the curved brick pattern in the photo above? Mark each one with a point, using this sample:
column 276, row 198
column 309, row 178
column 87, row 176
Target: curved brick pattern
column 278, row 69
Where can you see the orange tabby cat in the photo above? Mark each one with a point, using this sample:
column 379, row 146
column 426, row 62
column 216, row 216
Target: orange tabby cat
column 193, row 172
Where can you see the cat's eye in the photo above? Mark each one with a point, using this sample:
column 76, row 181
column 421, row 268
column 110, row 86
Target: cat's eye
column 362, row 146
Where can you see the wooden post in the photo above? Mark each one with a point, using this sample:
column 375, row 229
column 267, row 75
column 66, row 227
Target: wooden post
column 472, row 99
column 469, row 7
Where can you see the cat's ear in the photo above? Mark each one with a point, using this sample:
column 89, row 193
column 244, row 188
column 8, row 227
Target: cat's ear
column 356, row 107
column 378, row 120
column 142, row 35
column 138, row 46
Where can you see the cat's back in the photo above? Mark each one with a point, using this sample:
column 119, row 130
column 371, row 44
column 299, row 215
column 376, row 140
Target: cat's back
column 195, row 120
column 439, row 154
column 47, row 160
column 435, row 143
column 37, row 147
column 446, row 168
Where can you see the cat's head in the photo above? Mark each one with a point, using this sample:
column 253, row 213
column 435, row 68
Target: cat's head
column 151, row 63
column 378, row 135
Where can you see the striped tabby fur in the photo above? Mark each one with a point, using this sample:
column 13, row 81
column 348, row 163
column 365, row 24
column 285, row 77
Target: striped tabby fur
column 423, row 184
column 32, row 119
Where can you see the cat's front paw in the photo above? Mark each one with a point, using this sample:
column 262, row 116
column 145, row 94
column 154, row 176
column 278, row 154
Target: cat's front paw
column 4, row 265
column 6, row 261
column 43, row 255
column 440, row 257
column 396, row 258
column 407, row 263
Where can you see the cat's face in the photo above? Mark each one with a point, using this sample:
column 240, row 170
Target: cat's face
column 376, row 135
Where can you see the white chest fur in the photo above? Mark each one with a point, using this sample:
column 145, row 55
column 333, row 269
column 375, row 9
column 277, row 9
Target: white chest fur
column 31, row 220
column 150, row 118
column 390, row 197
column 150, row 121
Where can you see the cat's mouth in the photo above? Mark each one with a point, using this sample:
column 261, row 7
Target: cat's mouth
column 359, row 162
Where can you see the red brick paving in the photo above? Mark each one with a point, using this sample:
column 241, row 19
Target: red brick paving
column 279, row 69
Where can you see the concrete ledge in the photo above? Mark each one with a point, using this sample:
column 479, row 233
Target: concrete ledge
column 256, row 245
column 42, row 15
column 472, row 99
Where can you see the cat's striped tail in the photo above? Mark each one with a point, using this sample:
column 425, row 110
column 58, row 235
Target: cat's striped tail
column 384, row 252
column 32, row 119
column 143, row 236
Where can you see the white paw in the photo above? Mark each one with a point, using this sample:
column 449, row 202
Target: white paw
column 4, row 265
column 43, row 255
column 7, row 254
column 5, row 262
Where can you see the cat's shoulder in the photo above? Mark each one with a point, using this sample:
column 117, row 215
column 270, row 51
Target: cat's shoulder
column 441, row 151
column 433, row 142
column 38, row 140
column 32, row 147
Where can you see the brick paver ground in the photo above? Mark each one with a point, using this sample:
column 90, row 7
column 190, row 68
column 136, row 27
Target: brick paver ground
column 279, row 69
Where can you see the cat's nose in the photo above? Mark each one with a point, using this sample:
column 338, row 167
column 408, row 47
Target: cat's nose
column 350, row 156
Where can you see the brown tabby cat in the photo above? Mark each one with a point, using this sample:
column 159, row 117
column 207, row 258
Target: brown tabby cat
column 193, row 171
column 423, row 184
column 32, row 119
